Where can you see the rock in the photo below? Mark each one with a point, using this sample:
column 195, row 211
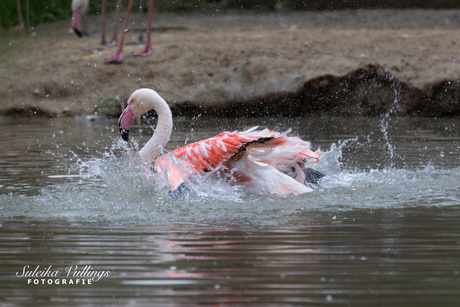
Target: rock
column 444, row 99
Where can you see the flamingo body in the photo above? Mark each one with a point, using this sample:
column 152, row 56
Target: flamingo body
column 265, row 160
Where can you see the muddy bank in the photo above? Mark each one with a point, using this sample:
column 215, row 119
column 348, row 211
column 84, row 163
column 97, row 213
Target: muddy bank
column 370, row 90
column 244, row 64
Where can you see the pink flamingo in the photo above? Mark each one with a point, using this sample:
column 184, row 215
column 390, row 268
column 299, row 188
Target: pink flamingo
column 267, row 161
column 117, row 58
column 80, row 8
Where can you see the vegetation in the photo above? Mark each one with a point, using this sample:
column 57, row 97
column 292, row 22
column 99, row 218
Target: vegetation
column 39, row 11
column 50, row 10
column 44, row 10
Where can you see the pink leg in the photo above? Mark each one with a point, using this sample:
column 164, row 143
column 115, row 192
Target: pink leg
column 117, row 58
column 103, row 22
column 20, row 24
column 148, row 45
column 115, row 26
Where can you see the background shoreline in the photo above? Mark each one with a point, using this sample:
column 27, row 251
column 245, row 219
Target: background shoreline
column 355, row 62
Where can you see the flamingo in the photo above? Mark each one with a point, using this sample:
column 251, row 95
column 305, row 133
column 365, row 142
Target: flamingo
column 117, row 58
column 265, row 160
column 79, row 9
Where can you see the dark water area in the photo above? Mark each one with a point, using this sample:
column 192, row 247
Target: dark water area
column 381, row 229
column 406, row 258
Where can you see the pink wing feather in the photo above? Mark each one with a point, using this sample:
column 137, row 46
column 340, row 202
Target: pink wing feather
column 207, row 154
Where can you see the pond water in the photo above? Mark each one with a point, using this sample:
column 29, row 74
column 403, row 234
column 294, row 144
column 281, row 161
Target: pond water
column 381, row 229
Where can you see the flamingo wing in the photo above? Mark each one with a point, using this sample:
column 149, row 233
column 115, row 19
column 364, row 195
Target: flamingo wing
column 206, row 155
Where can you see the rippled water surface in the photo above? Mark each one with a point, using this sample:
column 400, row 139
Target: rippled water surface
column 381, row 229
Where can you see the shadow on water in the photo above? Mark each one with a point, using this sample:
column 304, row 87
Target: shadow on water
column 380, row 229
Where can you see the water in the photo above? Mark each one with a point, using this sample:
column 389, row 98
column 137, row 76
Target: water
column 382, row 228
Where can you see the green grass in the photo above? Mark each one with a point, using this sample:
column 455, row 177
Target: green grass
column 51, row 10
column 39, row 11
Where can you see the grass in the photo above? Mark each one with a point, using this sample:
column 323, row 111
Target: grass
column 39, row 11
column 50, row 10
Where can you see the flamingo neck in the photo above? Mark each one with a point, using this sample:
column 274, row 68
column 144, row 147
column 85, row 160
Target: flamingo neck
column 162, row 133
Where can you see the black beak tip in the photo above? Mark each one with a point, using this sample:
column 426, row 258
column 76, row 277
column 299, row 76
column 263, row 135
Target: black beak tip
column 124, row 134
column 79, row 34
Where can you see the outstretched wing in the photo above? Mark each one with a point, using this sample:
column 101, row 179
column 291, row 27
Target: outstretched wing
column 207, row 154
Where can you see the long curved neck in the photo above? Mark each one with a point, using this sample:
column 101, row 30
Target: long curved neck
column 162, row 132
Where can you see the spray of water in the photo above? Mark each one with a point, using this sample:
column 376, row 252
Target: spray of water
column 107, row 183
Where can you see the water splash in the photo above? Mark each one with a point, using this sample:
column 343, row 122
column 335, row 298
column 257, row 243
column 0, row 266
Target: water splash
column 103, row 182
column 384, row 128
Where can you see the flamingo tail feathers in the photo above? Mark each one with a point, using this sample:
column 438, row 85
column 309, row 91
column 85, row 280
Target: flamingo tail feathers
column 268, row 178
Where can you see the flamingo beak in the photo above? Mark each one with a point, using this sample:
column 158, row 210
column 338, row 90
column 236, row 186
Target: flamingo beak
column 76, row 22
column 124, row 122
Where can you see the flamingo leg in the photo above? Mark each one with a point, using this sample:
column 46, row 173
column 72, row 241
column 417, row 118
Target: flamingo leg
column 103, row 9
column 115, row 26
column 20, row 24
column 117, row 57
column 141, row 33
column 148, row 44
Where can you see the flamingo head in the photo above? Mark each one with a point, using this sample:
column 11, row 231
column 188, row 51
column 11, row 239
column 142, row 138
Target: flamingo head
column 140, row 102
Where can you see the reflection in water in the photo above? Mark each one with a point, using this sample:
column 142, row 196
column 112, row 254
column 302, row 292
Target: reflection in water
column 323, row 257
column 381, row 229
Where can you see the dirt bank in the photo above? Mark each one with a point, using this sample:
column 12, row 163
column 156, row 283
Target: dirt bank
column 300, row 63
